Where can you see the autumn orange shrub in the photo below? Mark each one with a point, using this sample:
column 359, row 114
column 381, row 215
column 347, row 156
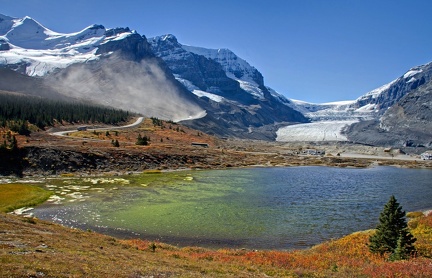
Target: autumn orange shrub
column 345, row 257
column 423, row 233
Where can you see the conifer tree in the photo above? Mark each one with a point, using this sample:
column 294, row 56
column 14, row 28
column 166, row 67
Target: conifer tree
column 392, row 231
column 116, row 143
column 142, row 140
column 404, row 246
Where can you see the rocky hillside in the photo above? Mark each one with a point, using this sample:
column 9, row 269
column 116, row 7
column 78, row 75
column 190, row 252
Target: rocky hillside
column 387, row 95
column 233, row 90
column 408, row 122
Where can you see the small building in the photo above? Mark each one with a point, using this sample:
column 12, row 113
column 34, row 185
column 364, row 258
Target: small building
column 204, row 145
column 82, row 128
column 313, row 152
column 426, row 156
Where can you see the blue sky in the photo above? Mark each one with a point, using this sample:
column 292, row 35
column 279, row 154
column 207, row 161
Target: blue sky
column 316, row 51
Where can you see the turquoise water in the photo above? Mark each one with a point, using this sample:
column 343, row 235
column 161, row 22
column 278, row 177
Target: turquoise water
column 261, row 208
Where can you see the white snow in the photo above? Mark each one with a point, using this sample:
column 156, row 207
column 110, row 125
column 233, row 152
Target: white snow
column 376, row 92
column 189, row 85
column 250, row 87
column 317, row 131
column 211, row 96
column 371, row 107
column 328, row 121
column 411, row 80
column 43, row 50
column 412, row 72
column 41, row 62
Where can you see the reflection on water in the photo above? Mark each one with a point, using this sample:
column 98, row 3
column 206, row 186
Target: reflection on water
column 262, row 208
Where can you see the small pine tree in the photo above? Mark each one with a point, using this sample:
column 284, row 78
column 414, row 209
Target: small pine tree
column 143, row 141
column 115, row 143
column 391, row 230
column 13, row 144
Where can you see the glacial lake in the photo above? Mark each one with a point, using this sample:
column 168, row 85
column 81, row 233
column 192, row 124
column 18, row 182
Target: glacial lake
column 256, row 208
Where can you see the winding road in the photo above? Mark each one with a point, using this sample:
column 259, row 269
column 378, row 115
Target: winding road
column 64, row 133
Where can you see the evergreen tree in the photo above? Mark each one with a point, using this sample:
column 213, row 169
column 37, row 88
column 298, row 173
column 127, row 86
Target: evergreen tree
column 391, row 231
column 144, row 141
column 13, row 144
column 115, row 143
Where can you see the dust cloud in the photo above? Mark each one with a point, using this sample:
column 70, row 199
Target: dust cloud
column 139, row 87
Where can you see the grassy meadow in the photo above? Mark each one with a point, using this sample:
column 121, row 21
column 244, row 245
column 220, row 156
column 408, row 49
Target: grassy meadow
column 14, row 196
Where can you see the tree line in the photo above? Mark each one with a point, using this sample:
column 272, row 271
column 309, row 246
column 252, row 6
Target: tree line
column 16, row 111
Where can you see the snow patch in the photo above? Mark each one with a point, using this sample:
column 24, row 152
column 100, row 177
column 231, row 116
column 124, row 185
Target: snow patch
column 411, row 80
column 375, row 93
column 250, row 87
column 317, row 131
column 211, row 96
column 412, row 72
column 189, row 85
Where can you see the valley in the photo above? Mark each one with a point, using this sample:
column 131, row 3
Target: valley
column 196, row 134
column 170, row 147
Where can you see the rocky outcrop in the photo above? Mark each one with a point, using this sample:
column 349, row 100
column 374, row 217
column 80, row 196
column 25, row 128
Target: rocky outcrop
column 408, row 123
column 133, row 46
column 389, row 94
column 53, row 161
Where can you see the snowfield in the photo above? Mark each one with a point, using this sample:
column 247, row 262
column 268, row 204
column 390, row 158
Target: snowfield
column 317, row 131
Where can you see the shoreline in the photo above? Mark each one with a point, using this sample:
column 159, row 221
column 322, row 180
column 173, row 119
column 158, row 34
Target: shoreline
column 185, row 241
column 82, row 173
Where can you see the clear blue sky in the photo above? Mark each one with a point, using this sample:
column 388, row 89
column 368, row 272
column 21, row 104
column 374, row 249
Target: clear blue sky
column 312, row 50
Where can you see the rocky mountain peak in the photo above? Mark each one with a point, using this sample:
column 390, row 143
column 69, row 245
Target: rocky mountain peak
column 116, row 31
column 389, row 94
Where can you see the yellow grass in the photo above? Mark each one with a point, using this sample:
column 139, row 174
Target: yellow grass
column 14, row 196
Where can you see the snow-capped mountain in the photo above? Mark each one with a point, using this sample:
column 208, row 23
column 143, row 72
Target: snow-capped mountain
column 36, row 51
column 118, row 67
column 405, row 112
column 213, row 90
column 229, row 83
column 377, row 117
column 387, row 95
column 114, row 67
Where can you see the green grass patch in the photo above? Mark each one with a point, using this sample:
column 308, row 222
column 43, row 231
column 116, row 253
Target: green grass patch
column 14, row 196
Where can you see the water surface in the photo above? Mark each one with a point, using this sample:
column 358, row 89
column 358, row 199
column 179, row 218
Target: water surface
column 262, row 208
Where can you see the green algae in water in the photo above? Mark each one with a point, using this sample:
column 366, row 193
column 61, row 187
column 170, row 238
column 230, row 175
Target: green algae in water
column 176, row 205
column 264, row 208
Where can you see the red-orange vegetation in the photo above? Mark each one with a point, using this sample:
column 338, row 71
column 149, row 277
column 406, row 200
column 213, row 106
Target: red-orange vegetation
column 345, row 257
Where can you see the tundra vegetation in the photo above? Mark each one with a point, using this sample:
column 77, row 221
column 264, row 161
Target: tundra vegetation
column 35, row 248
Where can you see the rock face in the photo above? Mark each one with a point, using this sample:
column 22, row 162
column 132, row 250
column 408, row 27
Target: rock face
column 232, row 92
column 406, row 123
column 52, row 161
column 384, row 97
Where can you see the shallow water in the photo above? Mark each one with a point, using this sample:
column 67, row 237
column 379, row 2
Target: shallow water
column 262, row 208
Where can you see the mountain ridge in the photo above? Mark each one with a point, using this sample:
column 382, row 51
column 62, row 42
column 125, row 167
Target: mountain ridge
column 212, row 90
